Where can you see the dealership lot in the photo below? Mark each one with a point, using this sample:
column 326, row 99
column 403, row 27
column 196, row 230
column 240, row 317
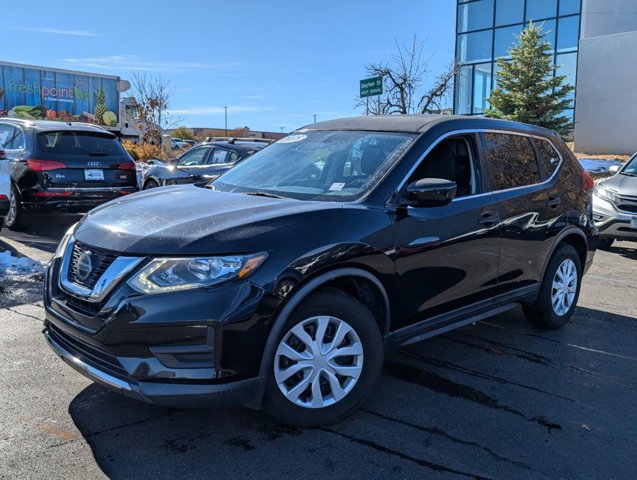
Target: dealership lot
column 499, row 399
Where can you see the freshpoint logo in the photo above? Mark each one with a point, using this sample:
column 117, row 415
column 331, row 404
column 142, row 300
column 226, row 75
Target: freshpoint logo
column 30, row 89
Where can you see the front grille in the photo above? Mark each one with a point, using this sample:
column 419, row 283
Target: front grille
column 101, row 259
column 89, row 354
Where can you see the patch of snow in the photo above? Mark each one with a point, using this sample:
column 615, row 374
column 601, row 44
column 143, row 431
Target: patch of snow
column 14, row 266
column 593, row 165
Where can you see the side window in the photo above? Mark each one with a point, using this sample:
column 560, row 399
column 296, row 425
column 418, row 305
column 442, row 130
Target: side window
column 451, row 159
column 511, row 159
column 549, row 158
column 193, row 157
column 219, row 155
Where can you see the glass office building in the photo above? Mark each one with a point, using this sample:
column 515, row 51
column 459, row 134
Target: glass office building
column 487, row 29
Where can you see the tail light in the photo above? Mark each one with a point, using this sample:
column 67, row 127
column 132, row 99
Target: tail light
column 42, row 165
column 126, row 166
column 588, row 182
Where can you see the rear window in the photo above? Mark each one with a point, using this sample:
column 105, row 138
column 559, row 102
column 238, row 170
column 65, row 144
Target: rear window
column 79, row 143
column 512, row 160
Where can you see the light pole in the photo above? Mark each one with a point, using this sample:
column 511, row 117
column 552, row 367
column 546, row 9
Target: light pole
column 226, row 109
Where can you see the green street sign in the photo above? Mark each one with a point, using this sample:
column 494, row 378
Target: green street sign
column 371, row 86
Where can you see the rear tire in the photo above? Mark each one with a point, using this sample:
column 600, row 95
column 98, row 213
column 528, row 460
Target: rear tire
column 15, row 218
column 151, row 183
column 327, row 359
column 559, row 291
column 605, row 243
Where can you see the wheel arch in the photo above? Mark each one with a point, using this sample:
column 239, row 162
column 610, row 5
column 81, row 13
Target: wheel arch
column 344, row 279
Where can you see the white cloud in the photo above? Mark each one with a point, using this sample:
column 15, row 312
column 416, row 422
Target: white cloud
column 133, row 62
column 216, row 110
column 55, row 31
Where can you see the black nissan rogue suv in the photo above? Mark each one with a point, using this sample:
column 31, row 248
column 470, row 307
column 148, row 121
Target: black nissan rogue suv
column 62, row 167
column 282, row 283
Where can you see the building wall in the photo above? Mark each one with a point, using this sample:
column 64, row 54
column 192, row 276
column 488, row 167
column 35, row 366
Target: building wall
column 606, row 93
column 608, row 17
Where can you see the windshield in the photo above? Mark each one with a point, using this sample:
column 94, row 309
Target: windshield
column 318, row 165
column 631, row 166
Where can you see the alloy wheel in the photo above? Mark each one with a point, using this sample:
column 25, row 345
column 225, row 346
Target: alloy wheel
column 318, row 362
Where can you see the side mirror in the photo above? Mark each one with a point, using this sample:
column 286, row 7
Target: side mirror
column 613, row 169
column 431, row 192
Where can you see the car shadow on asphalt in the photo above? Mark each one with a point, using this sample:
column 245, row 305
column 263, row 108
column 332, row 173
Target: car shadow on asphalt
column 490, row 400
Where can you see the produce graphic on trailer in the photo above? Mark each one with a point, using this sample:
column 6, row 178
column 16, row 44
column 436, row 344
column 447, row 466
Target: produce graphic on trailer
column 34, row 93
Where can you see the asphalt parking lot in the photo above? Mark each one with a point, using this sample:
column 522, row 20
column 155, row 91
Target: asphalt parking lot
column 498, row 399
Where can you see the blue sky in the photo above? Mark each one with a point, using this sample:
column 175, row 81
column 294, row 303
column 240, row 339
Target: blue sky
column 272, row 63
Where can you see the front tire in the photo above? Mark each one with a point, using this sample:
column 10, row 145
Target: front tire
column 559, row 290
column 327, row 359
column 15, row 218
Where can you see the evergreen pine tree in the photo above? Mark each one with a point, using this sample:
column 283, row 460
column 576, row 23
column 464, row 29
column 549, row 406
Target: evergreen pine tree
column 528, row 89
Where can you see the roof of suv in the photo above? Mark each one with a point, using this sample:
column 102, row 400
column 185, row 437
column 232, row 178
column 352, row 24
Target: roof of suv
column 49, row 125
column 419, row 123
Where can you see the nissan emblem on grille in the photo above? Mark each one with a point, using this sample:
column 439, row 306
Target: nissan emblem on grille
column 84, row 266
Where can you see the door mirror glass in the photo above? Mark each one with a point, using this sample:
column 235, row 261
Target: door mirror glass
column 431, row 192
column 612, row 169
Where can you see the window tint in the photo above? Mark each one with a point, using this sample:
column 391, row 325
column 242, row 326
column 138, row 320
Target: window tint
column 511, row 159
column 548, row 156
column 193, row 157
column 451, row 160
column 79, row 143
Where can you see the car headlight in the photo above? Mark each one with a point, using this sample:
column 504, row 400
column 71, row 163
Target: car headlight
column 59, row 252
column 605, row 193
column 173, row 274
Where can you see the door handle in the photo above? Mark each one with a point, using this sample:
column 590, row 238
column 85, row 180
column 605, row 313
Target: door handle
column 489, row 219
column 553, row 202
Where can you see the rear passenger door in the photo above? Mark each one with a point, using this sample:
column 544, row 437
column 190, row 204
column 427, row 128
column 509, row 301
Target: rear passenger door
column 526, row 206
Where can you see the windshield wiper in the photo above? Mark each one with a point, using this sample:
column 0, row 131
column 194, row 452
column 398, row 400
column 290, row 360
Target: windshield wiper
column 262, row 194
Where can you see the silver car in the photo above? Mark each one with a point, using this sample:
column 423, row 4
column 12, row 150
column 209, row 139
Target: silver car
column 615, row 205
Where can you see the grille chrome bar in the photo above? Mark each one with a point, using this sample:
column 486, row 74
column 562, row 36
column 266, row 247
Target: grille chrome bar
column 119, row 268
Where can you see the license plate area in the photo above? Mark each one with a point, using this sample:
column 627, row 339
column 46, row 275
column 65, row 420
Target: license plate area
column 93, row 174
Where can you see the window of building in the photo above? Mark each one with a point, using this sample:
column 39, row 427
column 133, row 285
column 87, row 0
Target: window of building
column 511, row 159
column 475, row 16
column 539, row 9
column 505, row 39
column 481, row 87
column 567, row 65
column 569, row 7
column 568, row 33
column 508, row 12
column 548, row 157
column 464, row 82
column 474, row 47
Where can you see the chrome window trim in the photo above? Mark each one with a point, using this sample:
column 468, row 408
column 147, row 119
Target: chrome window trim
column 444, row 136
column 116, row 271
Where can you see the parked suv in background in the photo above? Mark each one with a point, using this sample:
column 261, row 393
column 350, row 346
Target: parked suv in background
column 282, row 282
column 5, row 185
column 615, row 205
column 201, row 163
column 57, row 166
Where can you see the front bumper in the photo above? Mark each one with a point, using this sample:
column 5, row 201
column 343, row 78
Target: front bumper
column 611, row 222
column 182, row 349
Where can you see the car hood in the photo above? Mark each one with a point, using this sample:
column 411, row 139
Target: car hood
column 194, row 220
column 624, row 184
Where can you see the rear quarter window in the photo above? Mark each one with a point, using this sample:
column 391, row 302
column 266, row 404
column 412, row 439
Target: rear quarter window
column 511, row 160
column 78, row 143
